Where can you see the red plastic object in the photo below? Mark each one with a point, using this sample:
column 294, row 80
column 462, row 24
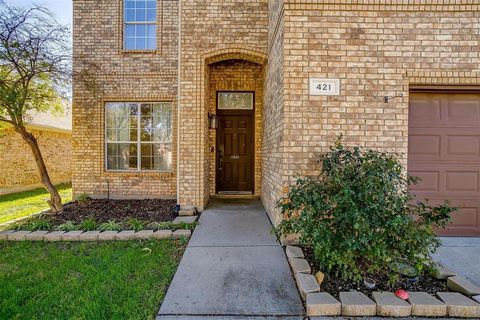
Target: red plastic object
column 402, row 294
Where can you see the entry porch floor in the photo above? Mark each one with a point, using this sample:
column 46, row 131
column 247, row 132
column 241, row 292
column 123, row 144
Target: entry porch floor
column 233, row 267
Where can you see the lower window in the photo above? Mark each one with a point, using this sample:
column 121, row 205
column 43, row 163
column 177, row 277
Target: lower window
column 138, row 136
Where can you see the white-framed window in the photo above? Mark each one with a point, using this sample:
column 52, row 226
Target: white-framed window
column 138, row 136
column 140, row 24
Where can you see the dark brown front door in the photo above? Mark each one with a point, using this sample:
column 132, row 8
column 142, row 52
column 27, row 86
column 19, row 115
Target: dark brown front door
column 235, row 153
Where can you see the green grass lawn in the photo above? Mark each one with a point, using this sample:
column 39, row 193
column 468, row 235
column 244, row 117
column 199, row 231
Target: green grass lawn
column 107, row 280
column 22, row 204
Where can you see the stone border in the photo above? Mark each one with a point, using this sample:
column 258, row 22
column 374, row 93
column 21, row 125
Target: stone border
column 53, row 236
column 463, row 301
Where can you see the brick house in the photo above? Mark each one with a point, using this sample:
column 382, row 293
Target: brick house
column 200, row 99
column 17, row 165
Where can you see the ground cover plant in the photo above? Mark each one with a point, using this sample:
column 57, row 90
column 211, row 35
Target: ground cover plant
column 22, row 204
column 359, row 219
column 108, row 215
column 107, row 280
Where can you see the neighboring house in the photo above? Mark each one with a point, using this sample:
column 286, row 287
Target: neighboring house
column 17, row 165
column 281, row 79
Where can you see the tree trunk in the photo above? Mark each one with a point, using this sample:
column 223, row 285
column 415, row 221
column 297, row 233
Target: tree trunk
column 55, row 201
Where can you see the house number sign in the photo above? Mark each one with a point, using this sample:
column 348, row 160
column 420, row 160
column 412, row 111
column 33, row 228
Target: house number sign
column 324, row 87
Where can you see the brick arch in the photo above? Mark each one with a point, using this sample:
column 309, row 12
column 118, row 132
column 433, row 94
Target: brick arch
column 222, row 54
column 206, row 59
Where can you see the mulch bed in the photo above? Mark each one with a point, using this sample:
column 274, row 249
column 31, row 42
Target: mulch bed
column 104, row 210
column 334, row 285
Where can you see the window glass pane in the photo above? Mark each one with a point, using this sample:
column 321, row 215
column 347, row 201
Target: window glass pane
column 139, row 43
column 130, row 44
column 130, row 30
column 151, row 15
column 146, row 109
column 140, row 15
column 121, row 156
column 151, row 4
column 129, row 15
column 138, row 34
column 151, row 43
column 146, row 129
column 140, row 4
column 235, row 100
column 151, row 30
column 141, row 30
column 157, row 156
column 162, row 123
column 121, row 121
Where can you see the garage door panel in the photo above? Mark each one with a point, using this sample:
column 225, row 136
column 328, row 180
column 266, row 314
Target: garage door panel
column 425, row 110
column 424, row 145
column 465, row 221
column 442, row 110
column 446, row 179
column 429, row 181
column 444, row 145
column 461, row 181
column 465, row 145
column 444, row 151
column 461, row 109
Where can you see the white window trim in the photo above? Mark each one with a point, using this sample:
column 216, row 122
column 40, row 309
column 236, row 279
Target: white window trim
column 124, row 29
column 138, row 142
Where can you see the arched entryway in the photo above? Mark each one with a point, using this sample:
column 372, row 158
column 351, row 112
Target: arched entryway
column 234, row 96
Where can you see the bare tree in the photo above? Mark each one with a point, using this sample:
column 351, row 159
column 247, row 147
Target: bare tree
column 35, row 64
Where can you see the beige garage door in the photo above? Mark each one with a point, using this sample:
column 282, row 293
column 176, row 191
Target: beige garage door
column 444, row 151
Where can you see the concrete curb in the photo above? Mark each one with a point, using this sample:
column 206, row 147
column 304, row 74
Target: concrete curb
column 22, row 235
column 462, row 302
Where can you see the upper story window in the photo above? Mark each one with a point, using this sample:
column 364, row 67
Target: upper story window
column 140, row 25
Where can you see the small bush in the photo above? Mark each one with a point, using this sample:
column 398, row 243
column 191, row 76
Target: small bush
column 111, row 225
column 88, row 224
column 67, row 226
column 170, row 226
column 33, row 224
column 359, row 217
column 159, row 226
column 134, row 224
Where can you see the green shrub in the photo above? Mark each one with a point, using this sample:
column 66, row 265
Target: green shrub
column 67, row 226
column 33, row 224
column 88, row 224
column 170, row 226
column 159, row 226
column 134, row 224
column 359, row 218
column 111, row 225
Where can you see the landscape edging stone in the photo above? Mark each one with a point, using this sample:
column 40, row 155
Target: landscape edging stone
column 294, row 253
column 86, row 236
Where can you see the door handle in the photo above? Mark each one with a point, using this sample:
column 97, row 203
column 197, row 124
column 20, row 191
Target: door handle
column 235, row 157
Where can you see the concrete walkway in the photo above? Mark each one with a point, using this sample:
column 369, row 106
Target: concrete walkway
column 462, row 255
column 233, row 268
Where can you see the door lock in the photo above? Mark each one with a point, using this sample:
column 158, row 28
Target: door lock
column 235, row 157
